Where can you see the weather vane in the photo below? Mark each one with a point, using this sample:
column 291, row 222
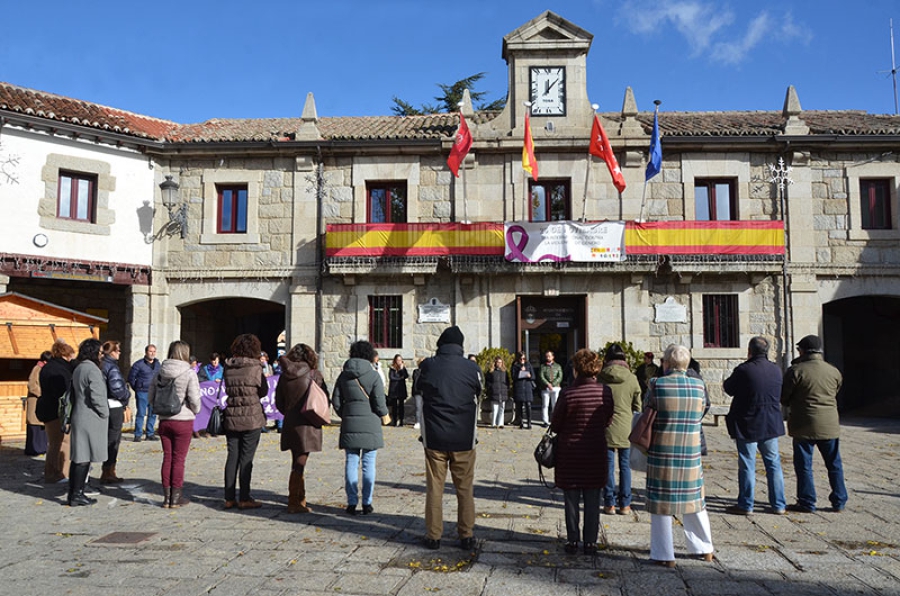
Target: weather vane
column 781, row 174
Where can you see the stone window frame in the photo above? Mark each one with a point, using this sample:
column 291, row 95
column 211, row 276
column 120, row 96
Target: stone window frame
column 738, row 352
column 209, row 182
column 372, row 169
column 48, row 204
column 386, row 186
column 888, row 171
column 717, row 166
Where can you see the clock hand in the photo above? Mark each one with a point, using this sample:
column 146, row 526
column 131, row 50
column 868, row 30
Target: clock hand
column 550, row 86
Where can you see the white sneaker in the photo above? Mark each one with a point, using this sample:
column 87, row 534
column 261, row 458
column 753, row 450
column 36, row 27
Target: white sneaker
column 416, row 426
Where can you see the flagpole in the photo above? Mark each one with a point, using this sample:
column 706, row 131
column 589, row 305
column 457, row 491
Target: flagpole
column 650, row 156
column 587, row 174
column 465, row 194
column 462, row 166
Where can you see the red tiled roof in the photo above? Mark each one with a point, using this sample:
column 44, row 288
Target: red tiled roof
column 83, row 113
column 431, row 126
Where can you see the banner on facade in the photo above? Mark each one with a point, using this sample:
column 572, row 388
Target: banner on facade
column 528, row 242
column 210, row 395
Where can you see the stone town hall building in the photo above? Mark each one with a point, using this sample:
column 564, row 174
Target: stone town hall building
column 337, row 228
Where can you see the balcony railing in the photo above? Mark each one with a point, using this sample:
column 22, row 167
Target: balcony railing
column 703, row 238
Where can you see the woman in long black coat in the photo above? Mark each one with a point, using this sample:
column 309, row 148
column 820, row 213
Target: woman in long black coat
column 523, row 380
column 397, row 394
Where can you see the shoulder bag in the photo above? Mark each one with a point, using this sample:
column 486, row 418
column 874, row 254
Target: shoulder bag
column 642, row 433
column 316, row 408
column 214, row 426
column 545, row 455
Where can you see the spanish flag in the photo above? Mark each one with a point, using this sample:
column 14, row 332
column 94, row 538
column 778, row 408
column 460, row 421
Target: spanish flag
column 529, row 163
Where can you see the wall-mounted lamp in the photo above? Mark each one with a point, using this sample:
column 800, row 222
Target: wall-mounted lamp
column 177, row 211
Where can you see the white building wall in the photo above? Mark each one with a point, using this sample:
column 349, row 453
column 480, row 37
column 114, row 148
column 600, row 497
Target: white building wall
column 134, row 180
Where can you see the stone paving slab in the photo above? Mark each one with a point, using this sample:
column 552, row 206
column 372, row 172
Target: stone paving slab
column 203, row 550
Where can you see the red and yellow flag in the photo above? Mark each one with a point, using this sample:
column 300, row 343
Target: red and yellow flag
column 529, row 163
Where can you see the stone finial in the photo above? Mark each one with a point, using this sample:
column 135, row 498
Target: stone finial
column 630, row 126
column 794, row 124
column 309, row 109
column 791, row 103
column 308, row 130
column 466, row 108
column 629, row 106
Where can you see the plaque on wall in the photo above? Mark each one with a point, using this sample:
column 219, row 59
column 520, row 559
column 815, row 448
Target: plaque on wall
column 434, row 311
column 670, row 312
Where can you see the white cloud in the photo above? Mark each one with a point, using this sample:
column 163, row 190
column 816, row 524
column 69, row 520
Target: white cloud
column 709, row 28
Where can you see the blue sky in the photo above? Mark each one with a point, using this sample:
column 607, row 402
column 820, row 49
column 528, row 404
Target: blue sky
column 193, row 60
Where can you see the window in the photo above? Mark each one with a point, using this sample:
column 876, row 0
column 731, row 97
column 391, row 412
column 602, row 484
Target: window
column 77, row 196
column 720, row 321
column 386, row 202
column 386, row 321
column 875, row 204
column 550, row 200
column 232, row 210
column 715, row 200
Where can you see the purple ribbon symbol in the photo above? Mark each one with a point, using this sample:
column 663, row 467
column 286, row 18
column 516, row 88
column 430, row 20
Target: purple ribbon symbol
column 516, row 247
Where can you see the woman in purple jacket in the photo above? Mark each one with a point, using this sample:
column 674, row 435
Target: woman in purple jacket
column 580, row 418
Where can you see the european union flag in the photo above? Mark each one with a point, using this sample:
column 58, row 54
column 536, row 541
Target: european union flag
column 654, row 164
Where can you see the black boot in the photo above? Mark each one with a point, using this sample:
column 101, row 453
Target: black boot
column 78, row 474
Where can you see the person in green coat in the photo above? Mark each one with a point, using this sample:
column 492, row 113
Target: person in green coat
column 551, row 376
column 626, row 400
column 359, row 400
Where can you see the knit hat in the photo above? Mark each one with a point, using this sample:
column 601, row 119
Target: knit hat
column 810, row 343
column 451, row 335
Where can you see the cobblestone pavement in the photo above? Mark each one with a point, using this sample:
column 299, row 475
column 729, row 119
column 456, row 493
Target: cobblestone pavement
column 128, row 544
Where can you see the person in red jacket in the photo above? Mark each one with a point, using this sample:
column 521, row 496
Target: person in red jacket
column 580, row 418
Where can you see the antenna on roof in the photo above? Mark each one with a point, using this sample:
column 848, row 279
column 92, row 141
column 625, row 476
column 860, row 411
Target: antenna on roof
column 893, row 70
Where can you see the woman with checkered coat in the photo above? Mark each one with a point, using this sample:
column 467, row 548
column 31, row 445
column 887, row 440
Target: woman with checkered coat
column 674, row 467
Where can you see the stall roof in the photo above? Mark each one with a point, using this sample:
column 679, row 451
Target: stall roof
column 32, row 325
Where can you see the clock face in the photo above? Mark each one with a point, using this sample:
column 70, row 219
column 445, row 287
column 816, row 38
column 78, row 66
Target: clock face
column 548, row 91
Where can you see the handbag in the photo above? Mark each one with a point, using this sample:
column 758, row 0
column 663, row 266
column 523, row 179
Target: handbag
column 642, row 433
column 215, row 427
column 545, row 456
column 316, row 408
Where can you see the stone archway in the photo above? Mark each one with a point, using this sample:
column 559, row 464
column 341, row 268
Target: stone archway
column 860, row 336
column 211, row 325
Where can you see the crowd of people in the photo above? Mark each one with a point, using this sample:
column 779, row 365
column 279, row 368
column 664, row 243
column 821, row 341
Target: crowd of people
column 590, row 408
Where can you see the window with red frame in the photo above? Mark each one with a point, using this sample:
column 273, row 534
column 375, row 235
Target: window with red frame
column 720, row 321
column 715, row 200
column 232, row 209
column 875, row 204
column 386, row 321
column 77, row 196
column 550, row 200
column 386, row 202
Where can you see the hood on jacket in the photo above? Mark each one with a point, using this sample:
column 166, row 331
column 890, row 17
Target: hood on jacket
column 291, row 369
column 357, row 367
column 614, row 372
column 172, row 368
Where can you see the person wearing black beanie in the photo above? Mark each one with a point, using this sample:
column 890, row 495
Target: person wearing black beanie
column 450, row 385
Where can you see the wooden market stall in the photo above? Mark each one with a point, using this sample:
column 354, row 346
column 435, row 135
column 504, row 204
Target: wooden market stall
column 28, row 327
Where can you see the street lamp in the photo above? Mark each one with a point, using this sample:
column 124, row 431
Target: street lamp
column 177, row 211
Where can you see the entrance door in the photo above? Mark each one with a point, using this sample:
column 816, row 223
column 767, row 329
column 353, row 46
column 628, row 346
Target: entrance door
column 551, row 324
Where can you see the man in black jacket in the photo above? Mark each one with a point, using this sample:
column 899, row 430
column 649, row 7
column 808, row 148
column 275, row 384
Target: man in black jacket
column 754, row 422
column 450, row 385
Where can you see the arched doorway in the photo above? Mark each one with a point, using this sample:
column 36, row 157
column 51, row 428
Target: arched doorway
column 212, row 325
column 861, row 339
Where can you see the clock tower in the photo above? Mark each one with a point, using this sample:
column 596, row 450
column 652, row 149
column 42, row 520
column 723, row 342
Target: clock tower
column 547, row 61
